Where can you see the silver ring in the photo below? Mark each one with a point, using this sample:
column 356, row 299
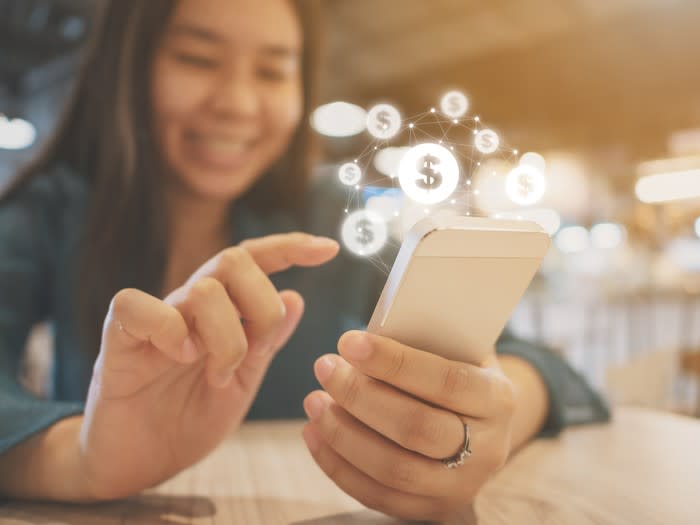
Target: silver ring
column 458, row 459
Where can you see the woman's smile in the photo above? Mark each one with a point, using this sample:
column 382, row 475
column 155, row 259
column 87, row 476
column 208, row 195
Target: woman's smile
column 220, row 152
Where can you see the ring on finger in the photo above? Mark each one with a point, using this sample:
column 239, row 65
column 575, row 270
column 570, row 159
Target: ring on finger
column 458, row 459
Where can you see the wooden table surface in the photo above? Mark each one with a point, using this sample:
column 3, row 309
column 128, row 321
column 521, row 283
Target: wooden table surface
column 644, row 468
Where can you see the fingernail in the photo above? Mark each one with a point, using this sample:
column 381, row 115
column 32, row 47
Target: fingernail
column 313, row 440
column 323, row 242
column 324, row 368
column 190, row 352
column 314, row 407
column 357, row 346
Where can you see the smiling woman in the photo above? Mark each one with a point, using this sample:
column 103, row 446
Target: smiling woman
column 150, row 233
column 227, row 93
column 209, row 96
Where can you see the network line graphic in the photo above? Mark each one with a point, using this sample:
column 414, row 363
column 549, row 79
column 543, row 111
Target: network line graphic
column 440, row 151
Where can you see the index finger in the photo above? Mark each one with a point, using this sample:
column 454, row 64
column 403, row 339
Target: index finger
column 276, row 253
column 460, row 387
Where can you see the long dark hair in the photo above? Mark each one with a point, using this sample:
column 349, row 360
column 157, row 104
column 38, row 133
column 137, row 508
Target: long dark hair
column 106, row 135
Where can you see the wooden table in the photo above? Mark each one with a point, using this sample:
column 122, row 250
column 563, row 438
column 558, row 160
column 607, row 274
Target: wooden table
column 644, row 468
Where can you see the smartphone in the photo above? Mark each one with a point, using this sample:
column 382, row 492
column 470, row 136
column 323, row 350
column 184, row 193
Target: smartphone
column 455, row 283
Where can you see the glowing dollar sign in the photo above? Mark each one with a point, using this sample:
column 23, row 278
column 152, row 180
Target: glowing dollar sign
column 455, row 105
column 431, row 178
column 365, row 235
column 350, row 174
column 383, row 120
column 487, row 142
column 526, row 185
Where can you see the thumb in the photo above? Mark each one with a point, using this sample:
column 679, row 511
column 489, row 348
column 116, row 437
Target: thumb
column 254, row 365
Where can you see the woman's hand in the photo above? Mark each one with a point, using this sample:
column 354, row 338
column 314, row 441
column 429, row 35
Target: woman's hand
column 173, row 377
column 391, row 413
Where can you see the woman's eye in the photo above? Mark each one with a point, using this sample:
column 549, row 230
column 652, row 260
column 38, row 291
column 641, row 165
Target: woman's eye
column 274, row 75
column 196, row 60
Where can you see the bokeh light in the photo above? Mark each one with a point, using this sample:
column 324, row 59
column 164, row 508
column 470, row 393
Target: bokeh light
column 573, row 239
column 535, row 160
column 339, row 119
column 387, row 160
column 16, row 134
column 607, row 236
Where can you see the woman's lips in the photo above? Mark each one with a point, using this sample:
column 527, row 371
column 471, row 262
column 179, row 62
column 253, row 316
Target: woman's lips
column 219, row 152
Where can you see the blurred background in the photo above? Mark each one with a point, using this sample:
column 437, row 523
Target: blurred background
column 606, row 93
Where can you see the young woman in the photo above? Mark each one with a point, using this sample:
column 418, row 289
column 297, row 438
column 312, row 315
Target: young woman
column 168, row 212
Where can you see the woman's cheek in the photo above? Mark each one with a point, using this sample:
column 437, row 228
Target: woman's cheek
column 175, row 90
column 286, row 112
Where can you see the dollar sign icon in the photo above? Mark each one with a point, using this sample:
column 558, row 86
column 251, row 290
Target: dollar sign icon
column 383, row 121
column 431, row 178
column 428, row 173
column 487, row 141
column 455, row 105
column 364, row 232
column 526, row 185
column 350, row 174
column 365, row 235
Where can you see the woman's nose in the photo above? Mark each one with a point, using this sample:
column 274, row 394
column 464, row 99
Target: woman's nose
column 237, row 96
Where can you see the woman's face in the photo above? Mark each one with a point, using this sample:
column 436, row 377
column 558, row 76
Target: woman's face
column 227, row 92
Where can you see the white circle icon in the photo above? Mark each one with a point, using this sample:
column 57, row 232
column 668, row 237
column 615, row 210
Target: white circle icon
column 364, row 232
column 350, row 174
column 383, row 121
column 525, row 185
column 487, row 141
column 428, row 173
column 454, row 104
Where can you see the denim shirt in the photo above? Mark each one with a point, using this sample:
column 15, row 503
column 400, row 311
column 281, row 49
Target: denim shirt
column 41, row 228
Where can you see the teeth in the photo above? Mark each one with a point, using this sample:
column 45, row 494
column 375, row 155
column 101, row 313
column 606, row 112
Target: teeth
column 225, row 146
column 233, row 147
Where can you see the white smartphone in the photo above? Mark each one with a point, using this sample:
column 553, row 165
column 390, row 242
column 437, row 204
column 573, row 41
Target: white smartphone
column 455, row 283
